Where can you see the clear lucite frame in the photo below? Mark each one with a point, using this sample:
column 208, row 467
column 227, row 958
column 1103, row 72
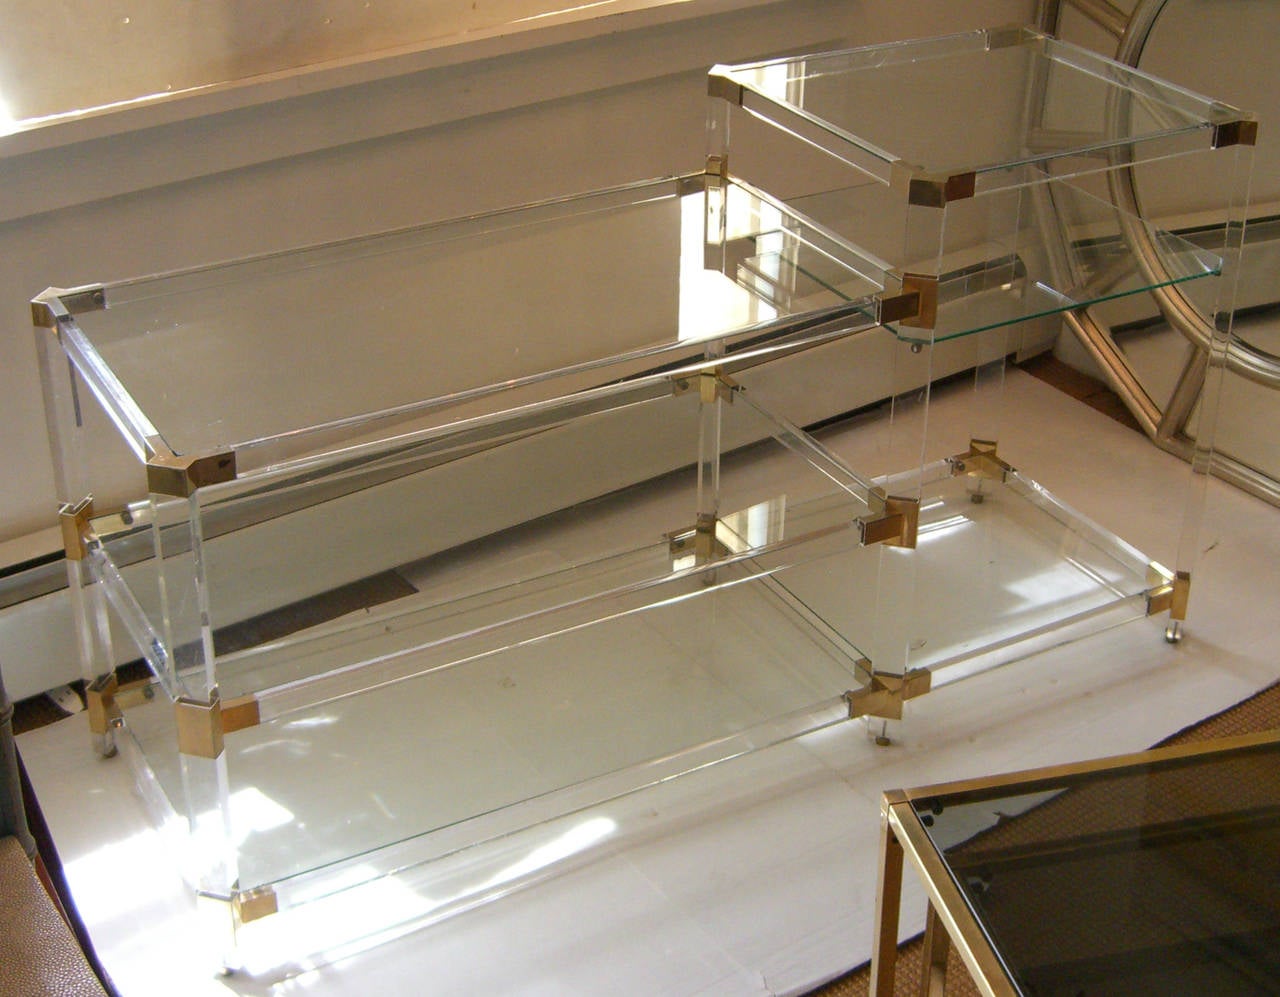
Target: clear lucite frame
column 550, row 584
column 431, row 541
column 985, row 170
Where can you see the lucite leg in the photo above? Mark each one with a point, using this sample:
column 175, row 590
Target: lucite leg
column 709, row 442
column 93, row 632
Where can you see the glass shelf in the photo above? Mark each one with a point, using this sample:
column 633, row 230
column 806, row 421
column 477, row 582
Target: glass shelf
column 413, row 321
column 953, row 91
column 993, row 285
column 984, row 161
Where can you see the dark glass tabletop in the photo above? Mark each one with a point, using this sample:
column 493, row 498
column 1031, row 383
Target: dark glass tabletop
column 1157, row 878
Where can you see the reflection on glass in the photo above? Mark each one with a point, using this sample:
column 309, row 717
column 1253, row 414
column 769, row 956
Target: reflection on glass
column 1146, row 879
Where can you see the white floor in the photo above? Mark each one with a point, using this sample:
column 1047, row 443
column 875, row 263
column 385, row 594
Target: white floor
column 756, row 876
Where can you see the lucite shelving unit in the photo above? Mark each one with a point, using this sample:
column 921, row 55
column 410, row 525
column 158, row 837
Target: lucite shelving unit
column 444, row 534
column 989, row 173
column 433, row 540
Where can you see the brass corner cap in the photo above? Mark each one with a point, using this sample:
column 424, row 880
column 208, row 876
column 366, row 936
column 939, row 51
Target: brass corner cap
column 58, row 302
column 1008, row 35
column 1243, row 131
column 45, row 312
column 926, row 286
column 897, row 524
column 251, row 905
column 75, row 518
column 720, row 85
column 199, row 726
column 170, row 474
column 937, row 191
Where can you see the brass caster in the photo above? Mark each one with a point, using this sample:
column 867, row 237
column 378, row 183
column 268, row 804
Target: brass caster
column 1173, row 632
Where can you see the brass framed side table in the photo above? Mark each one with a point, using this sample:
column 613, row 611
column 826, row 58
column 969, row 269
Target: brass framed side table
column 1154, row 872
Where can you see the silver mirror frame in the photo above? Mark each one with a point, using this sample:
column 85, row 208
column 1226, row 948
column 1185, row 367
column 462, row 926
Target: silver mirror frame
column 1167, row 424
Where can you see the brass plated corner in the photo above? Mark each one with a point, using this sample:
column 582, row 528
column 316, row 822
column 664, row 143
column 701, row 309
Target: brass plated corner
column 703, row 542
column 926, row 286
column 180, row 477
column 253, row 905
column 100, row 704
column 75, row 519
column 199, row 726
column 203, row 724
column 915, row 306
column 884, row 695
column 980, row 461
column 1171, row 593
column 931, row 190
column 896, row 525
column 59, row 303
column 1241, row 132
column 714, row 385
column 711, row 384
column 719, row 85
column 897, row 308
column 717, row 173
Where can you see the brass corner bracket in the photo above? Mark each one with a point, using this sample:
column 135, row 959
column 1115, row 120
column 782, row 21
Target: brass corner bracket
column 1171, row 593
column 719, row 85
column 915, row 306
column 75, row 519
column 1243, row 131
column 199, row 726
column 180, row 477
column 202, row 724
column 896, row 525
column 717, row 172
column 711, row 384
column 253, row 905
column 884, row 695
column 931, row 190
column 703, row 541
column 100, row 704
column 980, row 461
column 58, row 303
